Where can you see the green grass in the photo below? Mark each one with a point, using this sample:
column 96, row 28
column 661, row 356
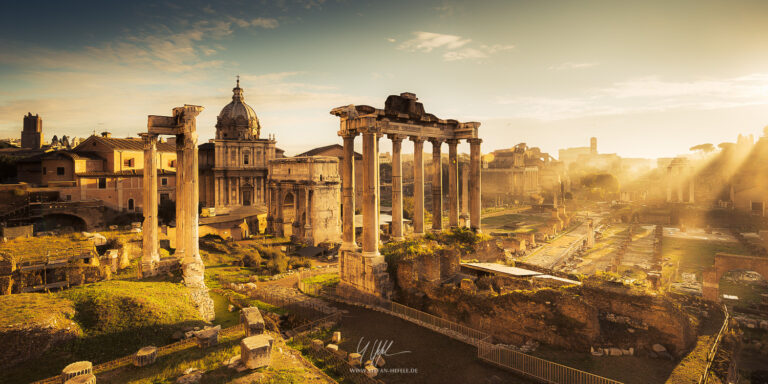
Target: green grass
column 512, row 218
column 37, row 248
column 169, row 367
column 323, row 279
column 697, row 254
column 42, row 308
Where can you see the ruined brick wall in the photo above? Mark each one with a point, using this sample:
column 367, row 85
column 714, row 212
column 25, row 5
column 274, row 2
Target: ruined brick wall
column 20, row 231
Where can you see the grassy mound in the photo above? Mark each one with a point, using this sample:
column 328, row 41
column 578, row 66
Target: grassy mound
column 118, row 306
column 33, row 323
column 112, row 319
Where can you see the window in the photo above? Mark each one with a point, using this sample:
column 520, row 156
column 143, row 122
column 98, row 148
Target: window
column 59, row 171
column 172, row 163
column 164, row 197
column 128, row 163
column 164, row 181
column 69, row 197
column 130, row 204
column 102, row 183
column 246, row 157
column 45, row 171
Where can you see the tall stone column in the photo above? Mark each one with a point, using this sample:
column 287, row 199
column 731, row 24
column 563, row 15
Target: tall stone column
column 180, row 190
column 397, row 188
column 475, row 198
column 437, row 186
column 150, row 255
column 465, row 194
column 348, row 194
column 280, row 229
column 453, row 183
column 307, row 217
column 370, row 192
column 418, row 185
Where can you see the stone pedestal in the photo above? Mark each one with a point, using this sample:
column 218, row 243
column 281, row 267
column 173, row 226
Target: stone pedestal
column 145, row 356
column 252, row 320
column 256, row 351
column 76, row 369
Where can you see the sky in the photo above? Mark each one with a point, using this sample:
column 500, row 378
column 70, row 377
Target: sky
column 648, row 79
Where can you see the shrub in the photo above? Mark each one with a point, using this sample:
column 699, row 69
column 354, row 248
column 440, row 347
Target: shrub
column 251, row 259
column 298, row 262
column 278, row 263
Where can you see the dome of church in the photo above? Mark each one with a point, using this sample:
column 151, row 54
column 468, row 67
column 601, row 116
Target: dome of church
column 237, row 120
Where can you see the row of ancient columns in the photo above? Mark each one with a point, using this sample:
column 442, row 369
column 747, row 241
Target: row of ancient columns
column 370, row 206
column 225, row 185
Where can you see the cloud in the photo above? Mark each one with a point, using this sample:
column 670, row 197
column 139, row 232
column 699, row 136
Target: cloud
column 391, row 40
column 266, row 23
column 453, row 47
column 427, row 41
column 645, row 94
column 571, row 65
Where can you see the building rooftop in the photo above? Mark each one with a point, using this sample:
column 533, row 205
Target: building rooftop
column 127, row 143
column 321, row 150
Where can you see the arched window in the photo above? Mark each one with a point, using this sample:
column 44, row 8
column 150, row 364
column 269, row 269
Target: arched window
column 130, row 205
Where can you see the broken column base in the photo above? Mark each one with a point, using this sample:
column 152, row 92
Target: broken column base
column 366, row 274
column 203, row 303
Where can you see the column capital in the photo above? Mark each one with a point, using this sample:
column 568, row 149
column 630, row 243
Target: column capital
column 475, row 140
column 416, row 139
column 395, row 137
column 435, row 141
column 348, row 135
column 452, row 141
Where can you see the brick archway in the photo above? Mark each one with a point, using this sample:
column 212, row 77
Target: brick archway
column 725, row 262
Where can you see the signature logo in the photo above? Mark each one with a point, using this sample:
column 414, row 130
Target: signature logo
column 379, row 348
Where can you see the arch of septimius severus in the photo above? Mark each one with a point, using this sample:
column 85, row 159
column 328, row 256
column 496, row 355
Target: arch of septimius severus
column 402, row 117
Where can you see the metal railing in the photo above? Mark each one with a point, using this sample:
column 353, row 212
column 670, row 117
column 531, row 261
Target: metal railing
column 535, row 367
column 715, row 346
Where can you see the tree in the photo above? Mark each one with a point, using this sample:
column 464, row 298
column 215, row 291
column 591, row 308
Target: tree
column 704, row 148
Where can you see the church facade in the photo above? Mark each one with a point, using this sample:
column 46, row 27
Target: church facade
column 234, row 166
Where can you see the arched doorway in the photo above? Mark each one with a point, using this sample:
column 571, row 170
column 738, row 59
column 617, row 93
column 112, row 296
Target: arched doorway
column 289, row 213
column 744, row 290
column 725, row 263
column 61, row 221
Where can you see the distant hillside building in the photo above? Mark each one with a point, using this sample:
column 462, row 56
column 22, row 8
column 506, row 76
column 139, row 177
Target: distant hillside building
column 32, row 133
column 101, row 168
column 519, row 172
column 234, row 166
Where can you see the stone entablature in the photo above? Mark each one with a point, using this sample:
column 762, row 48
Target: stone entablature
column 304, row 194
